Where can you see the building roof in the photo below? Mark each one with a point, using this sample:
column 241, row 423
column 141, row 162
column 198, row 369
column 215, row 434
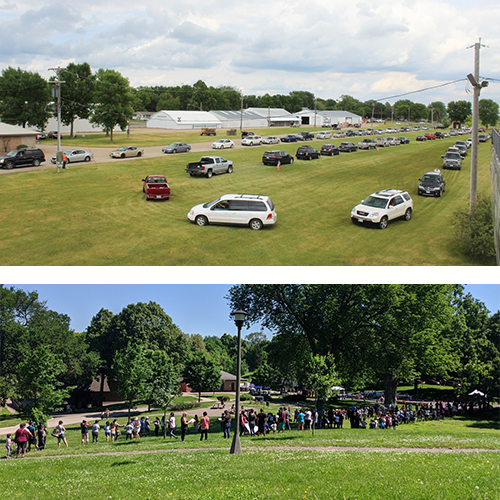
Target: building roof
column 228, row 377
column 329, row 113
column 7, row 129
column 184, row 117
column 270, row 112
column 236, row 115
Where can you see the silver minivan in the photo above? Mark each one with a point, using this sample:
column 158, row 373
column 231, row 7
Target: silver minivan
column 253, row 210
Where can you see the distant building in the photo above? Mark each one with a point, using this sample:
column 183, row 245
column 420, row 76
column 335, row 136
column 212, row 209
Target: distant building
column 183, row 120
column 12, row 136
column 328, row 118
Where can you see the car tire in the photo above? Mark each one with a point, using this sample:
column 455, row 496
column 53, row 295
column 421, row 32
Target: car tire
column 232, row 146
column 229, row 170
column 407, row 215
column 201, row 220
column 9, row 165
column 209, row 174
column 383, row 222
column 36, row 163
column 122, row 155
column 191, row 174
column 174, row 151
column 87, row 158
column 139, row 154
column 256, row 224
column 291, row 161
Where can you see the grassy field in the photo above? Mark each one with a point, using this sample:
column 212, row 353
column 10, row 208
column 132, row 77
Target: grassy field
column 97, row 215
column 379, row 464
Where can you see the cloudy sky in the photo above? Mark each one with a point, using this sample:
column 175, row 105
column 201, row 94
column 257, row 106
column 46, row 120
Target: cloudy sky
column 370, row 50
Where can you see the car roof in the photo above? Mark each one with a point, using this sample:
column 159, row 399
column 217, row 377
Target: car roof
column 387, row 193
column 244, row 196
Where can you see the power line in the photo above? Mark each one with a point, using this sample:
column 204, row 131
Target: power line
column 420, row 90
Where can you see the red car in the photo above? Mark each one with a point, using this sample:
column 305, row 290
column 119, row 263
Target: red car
column 430, row 136
column 156, row 187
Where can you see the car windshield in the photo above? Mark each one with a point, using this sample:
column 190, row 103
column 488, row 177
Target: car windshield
column 433, row 180
column 12, row 153
column 123, row 148
column 452, row 156
column 210, row 203
column 373, row 201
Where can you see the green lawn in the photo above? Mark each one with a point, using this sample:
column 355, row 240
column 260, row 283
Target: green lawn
column 97, row 215
column 380, row 464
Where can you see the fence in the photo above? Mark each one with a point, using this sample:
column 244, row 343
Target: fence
column 495, row 184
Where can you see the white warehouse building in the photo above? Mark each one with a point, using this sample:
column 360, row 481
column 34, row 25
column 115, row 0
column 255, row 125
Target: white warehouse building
column 328, row 118
column 183, row 120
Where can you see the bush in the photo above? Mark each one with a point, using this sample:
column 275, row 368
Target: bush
column 474, row 233
column 185, row 406
column 246, row 397
column 22, row 146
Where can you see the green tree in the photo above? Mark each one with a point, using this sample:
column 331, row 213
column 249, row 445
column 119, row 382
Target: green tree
column 488, row 112
column 131, row 369
column 201, row 373
column 113, row 100
column 256, row 353
column 24, row 98
column 77, row 93
column 320, row 376
column 266, row 376
column 38, row 384
column 458, row 111
column 437, row 112
column 168, row 101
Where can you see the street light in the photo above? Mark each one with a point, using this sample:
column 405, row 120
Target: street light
column 239, row 319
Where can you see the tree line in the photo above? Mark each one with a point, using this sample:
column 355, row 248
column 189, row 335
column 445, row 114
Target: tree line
column 106, row 98
column 360, row 336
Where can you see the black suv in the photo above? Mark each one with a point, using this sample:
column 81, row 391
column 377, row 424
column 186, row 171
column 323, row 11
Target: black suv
column 432, row 184
column 22, row 158
column 330, row 149
column 305, row 136
column 276, row 157
column 307, row 153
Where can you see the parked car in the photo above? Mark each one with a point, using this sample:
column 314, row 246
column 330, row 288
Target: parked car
column 381, row 207
column 462, row 148
column 156, row 187
column 52, row 134
column 452, row 160
column 127, row 152
column 367, row 144
column 245, row 133
column 305, row 136
column 421, row 138
column 347, row 147
column 290, row 138
column 324, row 135
column 432, row 184
column 483, row 137
column 394, row 141
column 41, row 136
column 255, row 211
column 430, row 136
column 28, row 157
column 176, row 147
column 75, row 155
column 251, row 140
column 223, row 144
column 307, row 153
column 209, row 165
column 277, row 157
column 272, row 139
column 330, row 150
column 404, row 140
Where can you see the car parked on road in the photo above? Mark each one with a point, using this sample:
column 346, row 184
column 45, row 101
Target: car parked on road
column 462, row 148
column 255, row 211
column 27, row 157
column 305, row 136
column 223, row 144
column 251, row 140
column 176, row 147
column 347, row 147
column 290, row 138
column 421, row 138
column 326, row 134
column 75, row 155
column 127, row 152
column 307, row 153
column 452, row 160
column 484, row 137
column 330, row 150
column 271, row 139
column 53, row 134
column 383, row 206
column 432, row 184
column 276, row 158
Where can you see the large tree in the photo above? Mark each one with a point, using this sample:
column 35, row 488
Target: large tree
column 113, row 100
column 77, row 93
column 488, row 112
column 24, row 98
column 458, row 111
column 201, row 373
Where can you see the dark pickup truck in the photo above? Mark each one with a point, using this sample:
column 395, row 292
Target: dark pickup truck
column 156, row 187
column 210, row 165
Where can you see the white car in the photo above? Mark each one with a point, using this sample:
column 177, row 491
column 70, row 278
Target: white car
column 251, row 140
column 223, row 144
column 253, row 210
column 324, row 135
column 75, row 155
column 381, row 207
column 272, row 139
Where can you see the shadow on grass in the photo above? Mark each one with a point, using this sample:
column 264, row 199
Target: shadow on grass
column 125, row 462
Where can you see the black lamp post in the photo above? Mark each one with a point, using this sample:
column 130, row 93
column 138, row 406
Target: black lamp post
column 239, row 319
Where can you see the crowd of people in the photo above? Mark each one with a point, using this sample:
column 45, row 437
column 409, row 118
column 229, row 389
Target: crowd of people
column 251, row 422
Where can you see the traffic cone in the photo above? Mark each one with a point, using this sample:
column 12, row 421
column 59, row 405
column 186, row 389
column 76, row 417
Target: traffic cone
column 378, row 150
column 278, row 167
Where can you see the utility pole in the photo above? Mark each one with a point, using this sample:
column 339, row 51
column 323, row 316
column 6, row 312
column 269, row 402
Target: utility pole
column 56, row 94
column 241, row 112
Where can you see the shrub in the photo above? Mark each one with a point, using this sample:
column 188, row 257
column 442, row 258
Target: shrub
column 185, row 406
column 246, row 397
column 22, row 146
column 474, row 233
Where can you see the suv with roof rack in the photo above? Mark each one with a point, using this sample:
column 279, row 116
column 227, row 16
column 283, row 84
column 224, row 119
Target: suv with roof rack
column 381, row 207
column 253, row 210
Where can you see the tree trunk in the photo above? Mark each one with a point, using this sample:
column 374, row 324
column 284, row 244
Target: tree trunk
column 101, row 389
column 71, row 132
column 391, row 387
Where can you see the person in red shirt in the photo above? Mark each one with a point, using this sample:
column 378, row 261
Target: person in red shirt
column 21, row 438
column 205, row 424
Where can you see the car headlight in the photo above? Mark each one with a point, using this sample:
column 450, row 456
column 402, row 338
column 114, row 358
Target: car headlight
column 373, row 215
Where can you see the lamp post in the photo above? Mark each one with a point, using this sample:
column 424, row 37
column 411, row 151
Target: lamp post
column 239, row 319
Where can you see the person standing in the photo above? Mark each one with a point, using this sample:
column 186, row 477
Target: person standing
column 147, row 427
column 61, row 434
column 32, row 437
column 204, row 426
column 84, row 427
column 243, row 423
column 95, row 431
column 184, row 425
column 261, row 422
column 226, row 424
column 157, row 426
column 171, row 426
column 251, row 422
column 42, row 435
column 8, row 445
column 21, row 439
column 107, row 431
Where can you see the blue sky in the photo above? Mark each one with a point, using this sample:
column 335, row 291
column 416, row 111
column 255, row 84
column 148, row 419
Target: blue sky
column 194, row 308
column 369, row 50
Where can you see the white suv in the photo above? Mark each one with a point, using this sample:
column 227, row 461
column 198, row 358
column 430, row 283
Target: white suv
column 251, row 140
column 381, row 207
column 253, row 210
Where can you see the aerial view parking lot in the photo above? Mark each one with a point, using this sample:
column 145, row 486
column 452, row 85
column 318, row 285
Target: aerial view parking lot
column 95, row 212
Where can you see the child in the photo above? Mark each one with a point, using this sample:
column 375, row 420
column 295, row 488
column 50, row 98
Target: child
column 84, row 427
column 8, row 444
column 107, row 430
